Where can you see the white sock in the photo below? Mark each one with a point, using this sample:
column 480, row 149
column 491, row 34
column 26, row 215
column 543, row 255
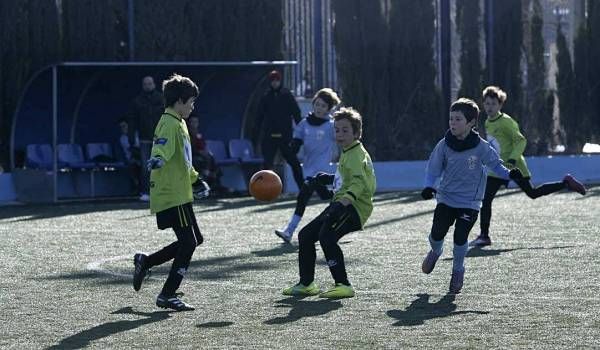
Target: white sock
column 293, row 224
column 436, row 246
column 458, row 261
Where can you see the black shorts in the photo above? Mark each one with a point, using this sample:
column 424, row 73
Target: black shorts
column 176, row 217
column 445, row 216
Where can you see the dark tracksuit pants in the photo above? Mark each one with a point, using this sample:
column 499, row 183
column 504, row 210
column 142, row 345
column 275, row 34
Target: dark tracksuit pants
column 270, row 145
column 306, row 192
column 445, row 216
column 183, row 221
column 145, row 153
column 327, row 231
column 492, row 186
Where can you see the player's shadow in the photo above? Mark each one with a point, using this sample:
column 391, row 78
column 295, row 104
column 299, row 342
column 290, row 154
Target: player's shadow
column 219, row 324
column 300, row 308
column 285, row 248
column 478, row 252
column 282, row 249
column 592, row 191
column 217, row 268
column 421, row 310
column 86, row 337
column 97, row 277
column 224, row 267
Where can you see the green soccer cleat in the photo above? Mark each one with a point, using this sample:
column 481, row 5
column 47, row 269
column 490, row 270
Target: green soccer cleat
column 300, row 289
column 338, row 292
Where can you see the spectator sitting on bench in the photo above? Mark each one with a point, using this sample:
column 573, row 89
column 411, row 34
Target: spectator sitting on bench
column 204, row 161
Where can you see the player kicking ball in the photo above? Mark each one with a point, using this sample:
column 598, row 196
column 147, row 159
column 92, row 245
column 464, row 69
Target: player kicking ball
column 504, row 135
column 351, row 206
column 171, row 193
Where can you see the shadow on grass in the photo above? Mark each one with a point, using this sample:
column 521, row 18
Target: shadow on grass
column 288, row 203
column 217, row 204
column 30, row 212
column 421, row 310
column 404, row 197
column 391, row 197
column 300, row 308
column 48, row 211
column 219, row 324
column 401, row 218
column 223, row 268
column 478, row 252
column 217, row 268
column 592, row 191
column 282, row 249
column 95, row 276
column 86, row 337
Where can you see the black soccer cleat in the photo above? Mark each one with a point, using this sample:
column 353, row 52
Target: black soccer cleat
column 140, row 270
column 574, row 185
column 173, row 303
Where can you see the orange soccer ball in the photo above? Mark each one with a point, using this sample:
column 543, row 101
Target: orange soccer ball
column 265, row 185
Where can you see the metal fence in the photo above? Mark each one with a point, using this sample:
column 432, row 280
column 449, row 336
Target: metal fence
column 308, row 39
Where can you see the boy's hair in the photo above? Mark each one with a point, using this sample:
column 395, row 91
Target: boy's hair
column 177, row 88
column 353, row 117
column 467, row 106
column 328, row 96
column 494, row 92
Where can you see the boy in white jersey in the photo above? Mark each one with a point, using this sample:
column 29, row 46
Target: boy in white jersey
column 317, row 134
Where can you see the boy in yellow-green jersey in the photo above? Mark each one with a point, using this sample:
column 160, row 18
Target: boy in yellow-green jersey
column 504, row 135
column 353, row 186
column 171, row 193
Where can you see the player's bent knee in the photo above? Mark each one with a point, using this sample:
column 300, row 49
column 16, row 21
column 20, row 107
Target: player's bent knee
column 189, row 248
column 327, row 240
column 306, row 190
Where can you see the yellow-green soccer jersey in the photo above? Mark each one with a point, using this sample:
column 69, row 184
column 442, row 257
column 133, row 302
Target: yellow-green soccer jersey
column 504, row 135
column 355, row 180
column 171, row 185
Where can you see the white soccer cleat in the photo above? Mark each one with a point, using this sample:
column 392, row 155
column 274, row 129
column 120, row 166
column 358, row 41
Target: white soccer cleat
column 285, row 235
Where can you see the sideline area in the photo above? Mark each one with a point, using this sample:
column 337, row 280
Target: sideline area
column 408, row 175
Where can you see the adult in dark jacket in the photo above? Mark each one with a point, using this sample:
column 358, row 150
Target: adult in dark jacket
column 277, row 111
column 144, row 113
